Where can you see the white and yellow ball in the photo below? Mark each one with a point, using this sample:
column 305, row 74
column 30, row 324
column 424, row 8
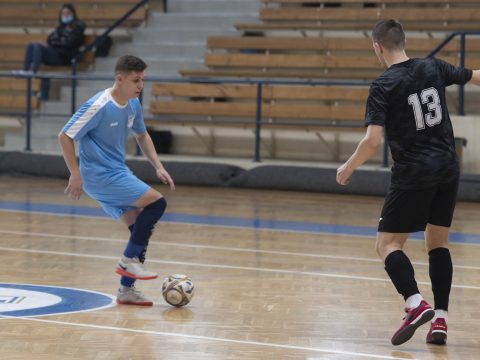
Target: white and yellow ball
column 178, row 290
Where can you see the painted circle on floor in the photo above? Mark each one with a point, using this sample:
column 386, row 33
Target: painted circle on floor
column 27, row 300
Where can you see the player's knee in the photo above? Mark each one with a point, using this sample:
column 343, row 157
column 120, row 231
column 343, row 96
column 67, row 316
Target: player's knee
column 158, row 206
column 382, row 248
column 378, row 248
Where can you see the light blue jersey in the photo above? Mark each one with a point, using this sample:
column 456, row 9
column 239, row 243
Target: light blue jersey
column 101, row 127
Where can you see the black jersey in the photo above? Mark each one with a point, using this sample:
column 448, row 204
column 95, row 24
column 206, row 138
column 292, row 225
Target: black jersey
column 408, row 99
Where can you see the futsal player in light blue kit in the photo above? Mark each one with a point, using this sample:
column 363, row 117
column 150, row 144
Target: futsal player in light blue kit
column 101, row 127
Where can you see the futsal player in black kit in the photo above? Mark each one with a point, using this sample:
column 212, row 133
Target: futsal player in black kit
column 408, row 102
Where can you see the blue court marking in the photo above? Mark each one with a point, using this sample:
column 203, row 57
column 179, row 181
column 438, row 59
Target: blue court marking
column 229, row 221
column 72, row 300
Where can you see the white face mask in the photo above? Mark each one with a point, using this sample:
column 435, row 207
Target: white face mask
column 67, row 19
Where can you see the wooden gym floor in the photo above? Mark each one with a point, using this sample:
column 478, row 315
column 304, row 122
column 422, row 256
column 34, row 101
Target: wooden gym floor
column 278, row 275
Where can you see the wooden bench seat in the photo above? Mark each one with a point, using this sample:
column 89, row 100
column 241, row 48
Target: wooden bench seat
column 17, row 102
column 13, row 94
column 93, row 16
column 269, row 92
column 14, row 85
column 323, row 44
column 77, row 3
column 309, row 105
column 302, row 15
column 315, row 109
column 361, row 2
column 299, row 66
column 311, row 61
column 341, row 58
column 371, row 14
column 282, row 73
column 353, row 25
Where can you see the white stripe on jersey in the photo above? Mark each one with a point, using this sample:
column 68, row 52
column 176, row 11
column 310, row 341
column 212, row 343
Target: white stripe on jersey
column 88, row 114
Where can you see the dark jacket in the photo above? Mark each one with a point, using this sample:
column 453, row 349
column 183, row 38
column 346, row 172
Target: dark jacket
column 68, row 39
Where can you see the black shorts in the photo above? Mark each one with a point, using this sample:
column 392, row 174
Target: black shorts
column 406, row 211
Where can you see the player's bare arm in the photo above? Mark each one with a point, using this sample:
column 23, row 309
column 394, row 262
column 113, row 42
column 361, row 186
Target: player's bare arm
column 475, row 77
column 367, row 147
column 74, row 188
column 145, row 143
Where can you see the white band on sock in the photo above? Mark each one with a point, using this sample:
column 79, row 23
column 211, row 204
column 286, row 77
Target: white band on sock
column 440, row 314
column 414, row 301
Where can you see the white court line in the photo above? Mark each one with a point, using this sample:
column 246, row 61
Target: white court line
column 231, row 267
column 323, row 233
column 201, row 225
column 226, row 248
column 209, row 338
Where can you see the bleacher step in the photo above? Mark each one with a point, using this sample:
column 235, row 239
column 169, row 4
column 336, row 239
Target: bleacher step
column 168, row 21
column 163, row 49
column 183, row 35
column 155, row 64
column 213, row 6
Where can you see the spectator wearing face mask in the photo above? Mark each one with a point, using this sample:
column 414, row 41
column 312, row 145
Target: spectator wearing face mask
column 62, row 44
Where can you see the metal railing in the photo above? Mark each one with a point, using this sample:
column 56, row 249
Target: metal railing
column 94, row 44
column 259, row 98
column 259, row 84
column 462, row 34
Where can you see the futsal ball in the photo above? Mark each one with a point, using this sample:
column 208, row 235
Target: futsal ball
column 177, row 290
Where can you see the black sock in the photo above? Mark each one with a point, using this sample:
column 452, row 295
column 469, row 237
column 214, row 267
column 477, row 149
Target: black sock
column 400, row 270
column 146, row 220
column 440, row 271
column 143, row 254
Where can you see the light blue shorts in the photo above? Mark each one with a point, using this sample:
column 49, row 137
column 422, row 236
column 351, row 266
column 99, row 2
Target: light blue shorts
column 115, row 192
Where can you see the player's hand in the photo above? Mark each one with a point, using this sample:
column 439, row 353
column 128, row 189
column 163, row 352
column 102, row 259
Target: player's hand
column 74, row 188
column 163, row 175
column 343, row 174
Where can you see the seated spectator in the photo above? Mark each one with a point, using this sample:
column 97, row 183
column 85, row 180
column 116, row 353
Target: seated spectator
column 62, row 45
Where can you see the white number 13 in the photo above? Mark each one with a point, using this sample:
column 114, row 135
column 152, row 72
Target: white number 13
column 430, row 97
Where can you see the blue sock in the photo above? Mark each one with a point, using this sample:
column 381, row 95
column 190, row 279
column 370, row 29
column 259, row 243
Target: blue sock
column 126, row 281
column 133, row 250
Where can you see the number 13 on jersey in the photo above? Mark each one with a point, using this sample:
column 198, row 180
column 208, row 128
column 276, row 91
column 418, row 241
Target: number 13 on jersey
column 430, row 97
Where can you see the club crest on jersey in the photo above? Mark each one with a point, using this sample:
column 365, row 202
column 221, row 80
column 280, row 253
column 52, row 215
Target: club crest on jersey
column 130, row 120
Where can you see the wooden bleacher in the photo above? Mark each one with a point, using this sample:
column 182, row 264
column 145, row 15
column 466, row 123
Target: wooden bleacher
column 332, row 52
column 12, row 51
column 12, row 97
column 324, row 44
column 37, row 19
column 428, row 15
column 314, row 107
column 96, row 14
column 312, row 58
column 12, row 93
column 321, row 56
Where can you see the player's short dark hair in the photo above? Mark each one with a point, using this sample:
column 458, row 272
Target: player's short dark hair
column 129, row 63
column 389, row 34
